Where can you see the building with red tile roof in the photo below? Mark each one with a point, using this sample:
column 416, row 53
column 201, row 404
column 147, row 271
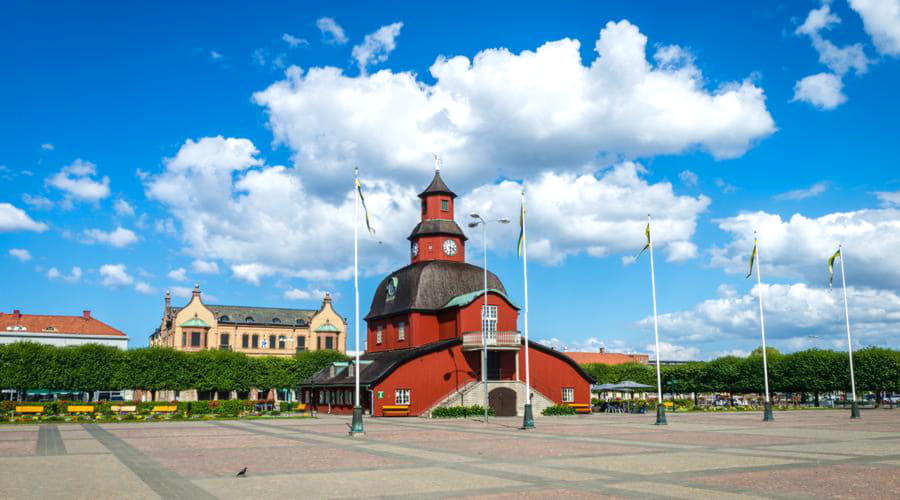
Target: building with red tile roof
column 59, row 330
column 608, row 358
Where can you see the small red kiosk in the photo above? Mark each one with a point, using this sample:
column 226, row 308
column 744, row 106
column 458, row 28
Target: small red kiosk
column 424, row 336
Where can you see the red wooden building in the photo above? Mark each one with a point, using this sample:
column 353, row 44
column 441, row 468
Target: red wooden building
column 424, row 336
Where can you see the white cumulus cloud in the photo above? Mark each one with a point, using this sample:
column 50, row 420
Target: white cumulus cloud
column 20, row 253
column 37, row 202
column 802, row 194
column 204, row 267
column 179, row 274
column 793, row 312
column 118, row 237
column 598, row 215
column 73, row 276
column 822, row 90
column 688, row 178
column 517, row 113
column 332, row 32
column 881, row 20
column 261, row 221
column 298, row 294
column 123, row 208
column 115, row 275
column 673, row 352
column 15, row 219
column 889, row 198
column 798, row 247
column 293, row 41
column 377, row 46
column 78, row 182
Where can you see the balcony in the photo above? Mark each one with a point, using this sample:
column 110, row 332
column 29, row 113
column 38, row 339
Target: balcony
column 496, row 375
column 495, row 341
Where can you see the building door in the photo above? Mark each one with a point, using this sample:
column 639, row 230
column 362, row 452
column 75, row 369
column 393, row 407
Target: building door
column 503, row 401
column 493, row 366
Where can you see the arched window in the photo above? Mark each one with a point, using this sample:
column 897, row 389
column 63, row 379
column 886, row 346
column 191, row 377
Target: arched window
column 224, row 318
column 300, row 322
column 249, row 319
column 276, row 321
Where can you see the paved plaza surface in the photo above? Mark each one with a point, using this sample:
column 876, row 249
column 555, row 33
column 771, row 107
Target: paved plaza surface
column 801, row 454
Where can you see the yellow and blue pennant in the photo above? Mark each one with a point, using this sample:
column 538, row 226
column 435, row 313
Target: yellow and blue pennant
column 363, row 200
column 831, row 267
column 752, row 258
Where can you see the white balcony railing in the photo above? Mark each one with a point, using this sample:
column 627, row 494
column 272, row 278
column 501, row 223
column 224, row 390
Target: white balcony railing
column 495, row 340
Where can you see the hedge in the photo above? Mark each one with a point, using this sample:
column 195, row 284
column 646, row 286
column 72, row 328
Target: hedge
column 56, row 411
column 811, row 371
column 559, row 410
column 92, row 367
column 460, row 411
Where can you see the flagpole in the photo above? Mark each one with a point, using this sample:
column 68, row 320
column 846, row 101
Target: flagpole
column 660, row 407
column 356, row 426
column 767, row 408
column 528, row 422
column 854, row 407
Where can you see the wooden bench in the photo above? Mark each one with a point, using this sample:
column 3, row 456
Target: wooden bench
column 80, row 409
column 302, row 408
column 29, row 409
column 122, row 409
column 395, row 410
column 165, row 409
column 581, row 408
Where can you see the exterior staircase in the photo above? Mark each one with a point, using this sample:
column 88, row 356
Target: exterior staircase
column 473, row 394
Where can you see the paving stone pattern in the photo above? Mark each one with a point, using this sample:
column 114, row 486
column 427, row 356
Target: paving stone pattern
column 800, row 454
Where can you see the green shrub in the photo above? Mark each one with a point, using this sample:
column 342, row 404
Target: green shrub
column 558, row 410
column 233, row 407
column 201, row 407
column 460, row 411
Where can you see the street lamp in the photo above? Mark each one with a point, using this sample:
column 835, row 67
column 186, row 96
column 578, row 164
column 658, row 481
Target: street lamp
column 475, row 223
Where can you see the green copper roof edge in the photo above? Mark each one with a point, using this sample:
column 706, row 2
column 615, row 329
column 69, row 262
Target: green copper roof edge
column 328, row 328
column 195, row 322
column 467, row 298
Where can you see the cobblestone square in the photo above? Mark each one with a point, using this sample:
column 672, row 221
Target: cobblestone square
column 801, row 454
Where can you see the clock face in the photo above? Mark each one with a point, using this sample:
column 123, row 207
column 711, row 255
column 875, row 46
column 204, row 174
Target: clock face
column 450, row 247
column 415, row 249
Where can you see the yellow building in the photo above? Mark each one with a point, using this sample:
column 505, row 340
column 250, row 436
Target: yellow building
column 256, row 331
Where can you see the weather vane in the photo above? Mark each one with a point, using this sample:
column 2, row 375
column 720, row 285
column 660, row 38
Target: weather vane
column 437, row 162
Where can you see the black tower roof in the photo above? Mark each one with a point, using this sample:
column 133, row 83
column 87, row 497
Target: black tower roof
column 437, row 186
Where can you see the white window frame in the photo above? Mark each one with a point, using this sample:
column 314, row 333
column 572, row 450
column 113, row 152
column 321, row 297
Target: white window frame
column 378, row 334
column 401, row 330
column 489, row 321
column 401, row 396
column 568, row 394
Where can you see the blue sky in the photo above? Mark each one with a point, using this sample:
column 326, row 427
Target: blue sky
column 152, row 147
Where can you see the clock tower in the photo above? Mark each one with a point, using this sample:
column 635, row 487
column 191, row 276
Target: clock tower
column 437, row 236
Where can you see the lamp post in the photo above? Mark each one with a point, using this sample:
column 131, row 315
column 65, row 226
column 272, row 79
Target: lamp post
column 478, row 220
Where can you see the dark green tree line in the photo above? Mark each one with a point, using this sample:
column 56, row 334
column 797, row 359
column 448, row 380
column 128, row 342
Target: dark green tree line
column 92, row 367
column 811, row 371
